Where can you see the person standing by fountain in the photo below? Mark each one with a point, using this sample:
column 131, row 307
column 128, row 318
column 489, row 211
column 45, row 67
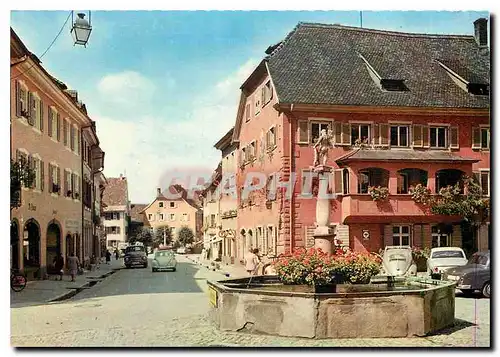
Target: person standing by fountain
column 251, row 261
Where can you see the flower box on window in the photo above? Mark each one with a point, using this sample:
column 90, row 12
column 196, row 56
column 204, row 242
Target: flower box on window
column 378, row 193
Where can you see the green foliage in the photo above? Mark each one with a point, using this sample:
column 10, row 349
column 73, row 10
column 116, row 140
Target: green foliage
column 161, row 233
column 21, row 173
column 378, row 193
column 141, row 234
column 186, row 236
column 420, row 194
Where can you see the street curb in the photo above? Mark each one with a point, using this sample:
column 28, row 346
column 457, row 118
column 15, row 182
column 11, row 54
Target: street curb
column 79, row 289
column 214, row 267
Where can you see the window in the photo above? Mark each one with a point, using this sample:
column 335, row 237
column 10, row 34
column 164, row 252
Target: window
column 360, row 132
column 267, row 93
column 161, row 216
column 36, row 111
column 37, row 166
column 53, row 123
column 161, row 204
column 185, row 217
column 23, row 100
column 247, row 112
column 54, row 180
column 439, row 239
column 483, row 178
column 172, row 216
column 316, row 130
column 116, row 215
column 372, row 177
column 72, row 138
column 77, row 141
column 212, row 220
column 172, row 204
column 271, row 138
column 113, row 230
column 66, row 132
column 401, row 235
column 485, row 138
column 438, row 137
column 258, row 104
column 399, row 136
column 150, row 217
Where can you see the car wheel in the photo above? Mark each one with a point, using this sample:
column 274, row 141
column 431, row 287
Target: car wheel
column 467, row 292
column 486, row 290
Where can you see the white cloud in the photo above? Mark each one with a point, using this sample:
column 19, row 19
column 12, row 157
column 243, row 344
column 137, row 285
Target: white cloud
column 126, row 88
column 153, row 150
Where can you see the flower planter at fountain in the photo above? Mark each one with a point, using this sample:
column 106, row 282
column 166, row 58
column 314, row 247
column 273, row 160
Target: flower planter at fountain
column 413, row 307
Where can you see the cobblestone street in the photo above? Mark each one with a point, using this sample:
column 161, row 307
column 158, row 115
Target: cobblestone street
column 139, row 308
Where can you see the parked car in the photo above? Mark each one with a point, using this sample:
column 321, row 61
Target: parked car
column 444, row 258
column 475, row 275
column 135, row 255
column 164, row 260
column 181, row 250
column 398, row 261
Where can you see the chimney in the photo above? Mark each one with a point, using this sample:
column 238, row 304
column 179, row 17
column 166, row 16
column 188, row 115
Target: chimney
column 481, row 31
column 158, row 191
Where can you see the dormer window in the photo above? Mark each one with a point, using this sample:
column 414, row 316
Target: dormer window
column 471, row 81
column 386, row 73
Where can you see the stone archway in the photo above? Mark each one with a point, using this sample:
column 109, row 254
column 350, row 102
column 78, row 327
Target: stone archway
column 14, row 244
column 53, row 242
column 31, row 244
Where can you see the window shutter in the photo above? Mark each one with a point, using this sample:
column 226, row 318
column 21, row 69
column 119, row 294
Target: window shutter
column 30, row 109
column 384, row 134
column 72, row 137
column 417, row 136
column 41, row 115
column 303, row 132
column 338, row 182
column 476, row 138
column 42, row 175
column 376, row 135
column 337, row 132
column 31, row 165
column 270, row 94
column 425, row 136
column 247, row 112
column 49, row 122
column 263, row 96
column 387, row 235
column 78, row 143
column 346, row 134
column 454, row 137
column 51, row 178
column 58, row 127
column 18, row 99
column 65, row 132
column 58, row 179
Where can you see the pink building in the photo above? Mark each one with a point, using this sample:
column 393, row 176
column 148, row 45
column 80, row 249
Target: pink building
column 421, row 102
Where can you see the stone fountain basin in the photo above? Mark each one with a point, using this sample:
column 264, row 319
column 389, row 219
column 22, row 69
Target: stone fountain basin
column 415, row 307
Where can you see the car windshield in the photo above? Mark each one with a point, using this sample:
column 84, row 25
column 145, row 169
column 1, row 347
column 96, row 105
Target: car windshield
column 164, row 254
column 447, row 254
column 478, row 259
column 136, row 248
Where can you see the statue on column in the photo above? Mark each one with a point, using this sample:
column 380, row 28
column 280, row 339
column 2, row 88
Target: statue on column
column 321, row 147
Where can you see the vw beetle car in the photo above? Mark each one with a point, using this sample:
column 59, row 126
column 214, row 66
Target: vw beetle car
column 164, row 260
column 398, row 261
column 444, row 258
column 475, row 275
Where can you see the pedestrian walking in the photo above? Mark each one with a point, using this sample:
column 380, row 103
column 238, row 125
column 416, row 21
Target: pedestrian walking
column 59, row 265
column 73, row 265
column 117, row 254
column 251, row 262
column 108, row 257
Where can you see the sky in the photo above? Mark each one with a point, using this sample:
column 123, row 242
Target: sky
column 163, row 86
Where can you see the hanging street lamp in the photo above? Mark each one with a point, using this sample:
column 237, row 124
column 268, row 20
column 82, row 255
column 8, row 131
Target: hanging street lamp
column 81, row 29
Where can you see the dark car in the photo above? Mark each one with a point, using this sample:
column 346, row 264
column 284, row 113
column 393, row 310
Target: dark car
column 475, row 275
column 136, row 255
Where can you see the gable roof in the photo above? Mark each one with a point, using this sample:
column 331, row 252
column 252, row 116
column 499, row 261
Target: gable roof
column 116, row 192
column 136, row 214
column 176, row 189
column 320, row 64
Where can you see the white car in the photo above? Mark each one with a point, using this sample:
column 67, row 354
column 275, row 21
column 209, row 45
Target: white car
column 398, row 261
column 181, row 250
column 444, row 258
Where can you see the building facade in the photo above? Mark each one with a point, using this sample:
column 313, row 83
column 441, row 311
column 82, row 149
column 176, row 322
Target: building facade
column 212, row 220
column 116, row 211
column 228, row 211
column 47, row 121
column 176, row 212
column 402, row 109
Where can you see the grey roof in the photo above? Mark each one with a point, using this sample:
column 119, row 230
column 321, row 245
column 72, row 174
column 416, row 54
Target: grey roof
column 321, row 64
column 406, row 155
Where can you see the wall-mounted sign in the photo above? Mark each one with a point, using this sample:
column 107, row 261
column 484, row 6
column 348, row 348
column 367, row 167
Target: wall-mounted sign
column 366, row 234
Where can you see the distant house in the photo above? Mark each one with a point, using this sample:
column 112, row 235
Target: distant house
column 137, row 218
column 116, row 211
column 176, row 212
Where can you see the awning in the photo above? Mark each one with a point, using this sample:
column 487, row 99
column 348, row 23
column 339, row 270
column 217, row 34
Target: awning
column 403, row 155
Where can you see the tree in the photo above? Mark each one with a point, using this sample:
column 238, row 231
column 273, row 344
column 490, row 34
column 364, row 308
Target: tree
column 145, row 236
column 162, row 234
column 21, row 174
column 186, row 236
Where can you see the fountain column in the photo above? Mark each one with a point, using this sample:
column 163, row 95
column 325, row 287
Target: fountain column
column 323, row 235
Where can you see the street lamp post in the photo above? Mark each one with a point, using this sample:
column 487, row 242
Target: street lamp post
column 81, row 29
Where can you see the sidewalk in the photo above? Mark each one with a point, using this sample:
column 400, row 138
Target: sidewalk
column 39, row 292
column 228, row 271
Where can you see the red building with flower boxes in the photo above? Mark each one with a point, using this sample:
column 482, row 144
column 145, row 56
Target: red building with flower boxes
column 409, row 115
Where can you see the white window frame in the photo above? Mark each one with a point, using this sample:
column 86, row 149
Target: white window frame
column 172, row 205
column 446, row 136
column 68, row 133
column 185, row 217
column 481, row 171
column 76, row 145
column 481, row 128
column 326, row 122
column 37, row 160
column 53, row 122
column 160, row 204
column 172, row 217
column 399, row 126
column 161, row 217
column 438, row 235
column 400, row 235
column 150, row 217
column 359, row 125
column 271, row 144
column 257, row 97
column 38, row 102
column 24, row 101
